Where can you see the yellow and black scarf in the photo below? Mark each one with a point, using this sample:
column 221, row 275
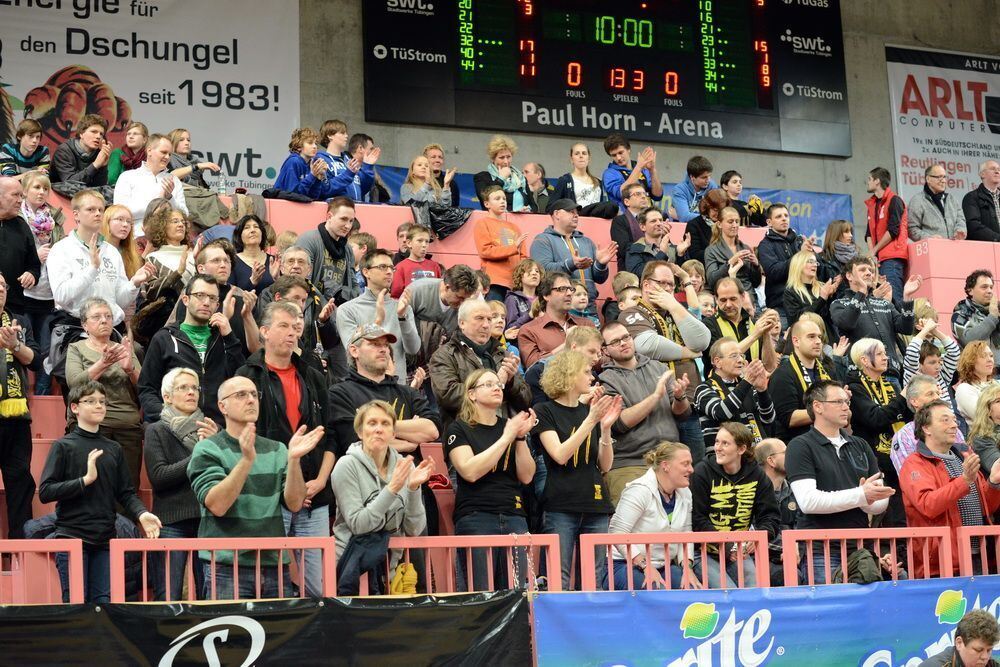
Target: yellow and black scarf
column 664, row 326
column 751, row 421
column 13, row 402
column 729, row 330
column 882, row 393
column 800, row 374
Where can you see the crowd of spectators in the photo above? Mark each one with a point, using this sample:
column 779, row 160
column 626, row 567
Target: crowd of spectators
column 283, row 386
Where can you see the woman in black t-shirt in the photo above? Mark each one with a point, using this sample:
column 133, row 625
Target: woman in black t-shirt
column 492, row 460
column 576, row 442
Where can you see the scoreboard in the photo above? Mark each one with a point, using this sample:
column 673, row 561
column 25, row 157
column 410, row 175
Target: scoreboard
column 754, row 74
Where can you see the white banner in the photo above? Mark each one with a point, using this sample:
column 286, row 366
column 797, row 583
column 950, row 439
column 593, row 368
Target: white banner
column 227, row 71
column 945, row 108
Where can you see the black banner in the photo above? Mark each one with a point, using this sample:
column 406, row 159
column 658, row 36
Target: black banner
column 476, row 629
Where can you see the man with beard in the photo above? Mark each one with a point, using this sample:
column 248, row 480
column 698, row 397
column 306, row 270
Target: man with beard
column 20, row 353
column 471, row 348
column 734, row 390
column 203, row 341
column 654, row 244
column 546, row 334
column 652, row 401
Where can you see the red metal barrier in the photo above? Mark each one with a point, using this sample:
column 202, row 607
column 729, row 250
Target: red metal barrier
column 293, row 546
column 987, row 559
column 449, row 551
column 628, row 546
column 28, row 572
column 924, row 547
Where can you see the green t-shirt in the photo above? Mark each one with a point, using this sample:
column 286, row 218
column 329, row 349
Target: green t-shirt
column 199, row 336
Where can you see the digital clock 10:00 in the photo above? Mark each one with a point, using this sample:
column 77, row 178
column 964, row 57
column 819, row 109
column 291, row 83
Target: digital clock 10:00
column 628, row 32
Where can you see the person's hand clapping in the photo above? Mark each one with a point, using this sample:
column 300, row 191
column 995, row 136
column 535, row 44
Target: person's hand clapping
column 874, row 489
column 91, row 476
column 970, row 468
column 420, row 474
column 400, row 473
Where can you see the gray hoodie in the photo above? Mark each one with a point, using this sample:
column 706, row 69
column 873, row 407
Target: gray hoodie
column 366, row 505
column 634, row 386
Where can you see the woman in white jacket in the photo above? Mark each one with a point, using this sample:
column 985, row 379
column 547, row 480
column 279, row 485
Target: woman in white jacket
column 657, row 502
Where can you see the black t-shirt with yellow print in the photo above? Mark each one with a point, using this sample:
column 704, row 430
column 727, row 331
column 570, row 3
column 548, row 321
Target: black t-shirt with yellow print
column 499, row 490
column 578, row 486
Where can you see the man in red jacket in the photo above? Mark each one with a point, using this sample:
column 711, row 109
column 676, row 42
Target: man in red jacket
column 943, row 485
column 887, row 230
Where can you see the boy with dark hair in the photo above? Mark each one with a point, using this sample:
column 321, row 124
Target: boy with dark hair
column 27, row 154
column 404, row 245
column 688, row 193
column 418, row 265
column 86, row 475
column 622, row 171
column 83, row 162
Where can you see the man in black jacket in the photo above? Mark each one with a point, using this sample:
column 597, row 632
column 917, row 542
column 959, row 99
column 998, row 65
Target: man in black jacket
column 775, row 255
column 204, row 341
column 294, row 398
column 19, row 353
column 625, row 229
column 19, row 263
column 370, row 351
column 982, row 205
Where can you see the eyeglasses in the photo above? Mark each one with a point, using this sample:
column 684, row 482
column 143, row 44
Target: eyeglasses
column 103, row 317
column 664, row 284
column 185, row 388
column 94, row 401
column 383, row 267
column 937, row 176
column 489, row 385
column 735, row 356
column 838, row 401
column 564, row 289
column 811, row 261
column 243, row 395
column 119, row 218
column 202, row 296
column 618, row 341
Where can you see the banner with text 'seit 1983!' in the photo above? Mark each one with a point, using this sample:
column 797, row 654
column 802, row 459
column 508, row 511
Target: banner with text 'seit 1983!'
column 226, row 71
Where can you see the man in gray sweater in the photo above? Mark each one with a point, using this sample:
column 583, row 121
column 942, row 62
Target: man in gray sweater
column 653, row 400
column 438, row 299
column 375, row 305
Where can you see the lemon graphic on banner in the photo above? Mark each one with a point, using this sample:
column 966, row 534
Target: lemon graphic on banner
column 699, row 620
column 950, row 607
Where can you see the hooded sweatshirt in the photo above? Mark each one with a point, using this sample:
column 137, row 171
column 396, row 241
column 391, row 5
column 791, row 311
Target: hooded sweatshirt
column 634, row 385
column 640, row 510
column 742, row 501
column 552, row 250
column 366, row 505
column 774, row 252
column 71, row 163
column 74, row 279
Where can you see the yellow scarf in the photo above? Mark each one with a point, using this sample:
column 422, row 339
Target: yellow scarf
column 13, row 402
column 725, row 324
column 797, row 367
column 881, row 393
column 665, row 327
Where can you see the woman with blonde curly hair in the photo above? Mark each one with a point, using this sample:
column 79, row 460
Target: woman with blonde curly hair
column 975, row 373
column 168, row 231
column 984, row 429
column 502, row 172
column 577, row 446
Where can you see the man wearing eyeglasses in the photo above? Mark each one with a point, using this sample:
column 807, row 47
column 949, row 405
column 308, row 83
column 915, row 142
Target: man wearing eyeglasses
column 241, row 479
column 376, row 305
column 19, row 354
column 834, row 475
column 653, row 399
column 546, row 334
column 734, row 390
column 934, row 212
column 204, row 341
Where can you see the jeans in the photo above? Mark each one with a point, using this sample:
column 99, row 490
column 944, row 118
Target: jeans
column 96, row 575
column 894, row 271
column 672, row 575
column 485, row 523
column 309, row 522
column 40, row 329
column 15, row 466
column 715, row 577
column 247, row 581
column 178, row 564
column 569, row 526
column 690, row 433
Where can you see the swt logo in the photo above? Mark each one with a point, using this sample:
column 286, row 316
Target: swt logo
column 807, row 46
column 732, row 644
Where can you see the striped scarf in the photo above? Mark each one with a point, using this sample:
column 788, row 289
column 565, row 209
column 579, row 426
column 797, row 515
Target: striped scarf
column 13, row 402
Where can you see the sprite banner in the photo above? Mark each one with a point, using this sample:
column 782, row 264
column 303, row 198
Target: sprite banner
column 879, row 625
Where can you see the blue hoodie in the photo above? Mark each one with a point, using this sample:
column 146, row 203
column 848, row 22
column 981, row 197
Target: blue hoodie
column 295, row 176
column 551, row 250
column 341, row 181
column 613, row 177
column 685, row 199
